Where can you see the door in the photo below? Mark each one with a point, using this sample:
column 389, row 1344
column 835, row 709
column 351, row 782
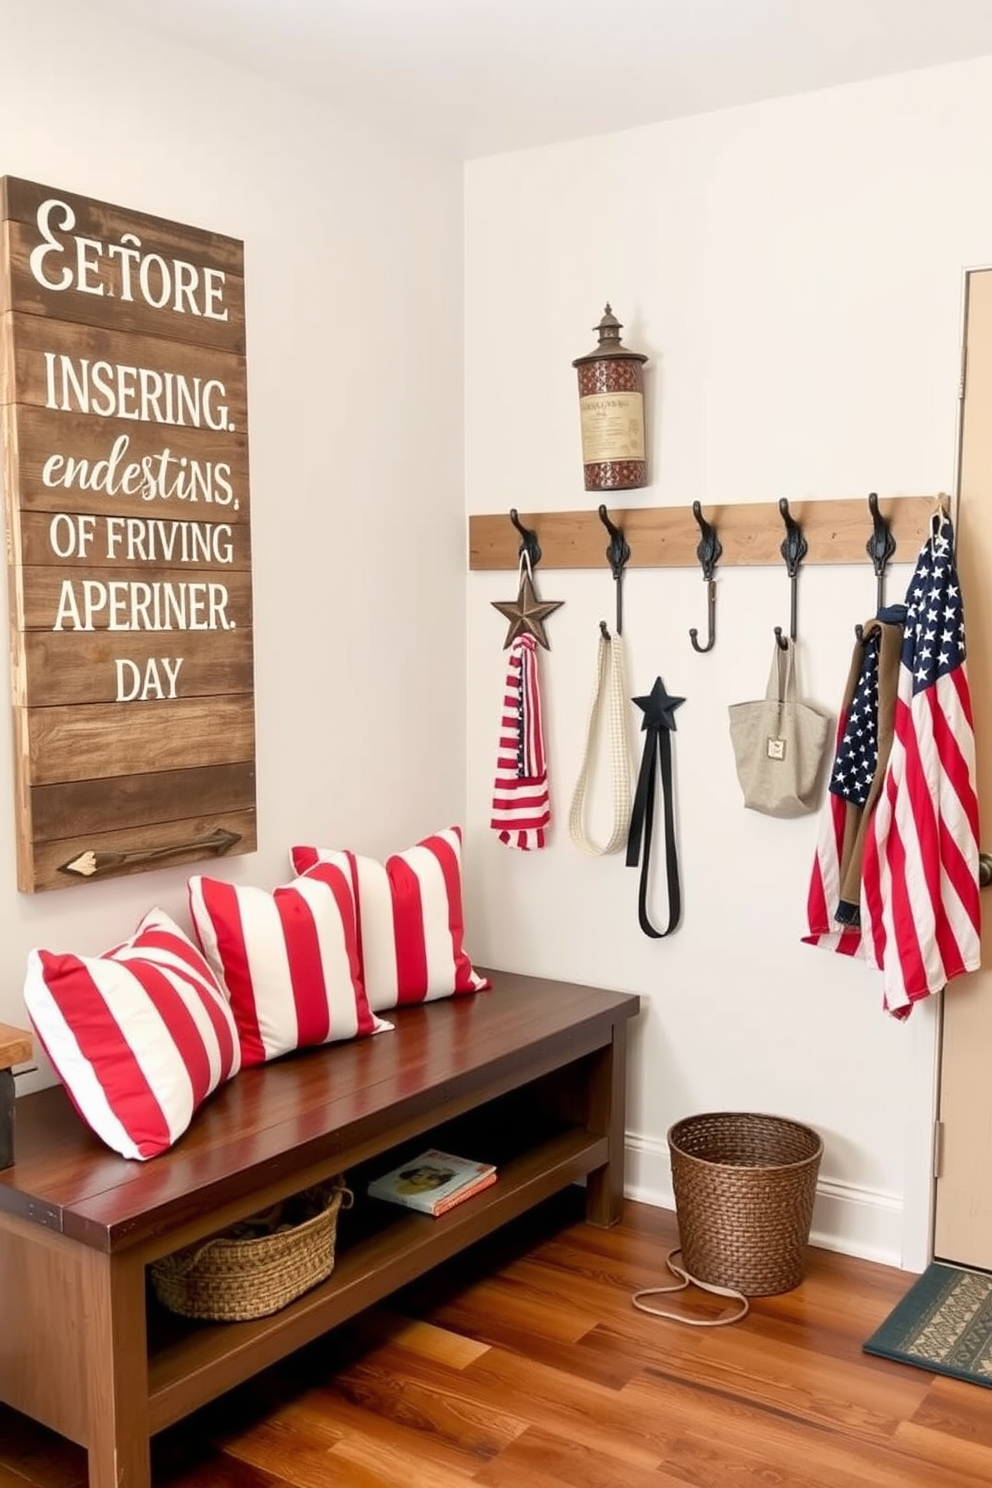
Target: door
column 963, row 1204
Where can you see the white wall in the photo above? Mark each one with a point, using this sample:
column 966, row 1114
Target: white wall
column 354, row 284
column 794, row 271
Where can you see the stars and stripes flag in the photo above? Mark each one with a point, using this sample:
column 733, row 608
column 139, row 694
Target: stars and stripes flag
column 521, row 800
column 919, row 916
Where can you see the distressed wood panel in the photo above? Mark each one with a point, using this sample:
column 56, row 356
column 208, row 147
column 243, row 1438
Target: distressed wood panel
column 156, row 845
column 73, row 808
column 107, row 740
column 120, row 291
column 147, row 372
column 78, row 541
column 123, row 401
column 129, row 601
column 74, row 667
column 667, row 537
column 97, row 453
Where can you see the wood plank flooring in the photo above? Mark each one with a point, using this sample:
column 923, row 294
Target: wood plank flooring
column 523, row 1364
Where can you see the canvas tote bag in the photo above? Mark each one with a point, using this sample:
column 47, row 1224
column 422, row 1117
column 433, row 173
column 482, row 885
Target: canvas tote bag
column 779, row 743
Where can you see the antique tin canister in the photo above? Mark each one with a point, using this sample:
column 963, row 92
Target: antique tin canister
column 611, row 409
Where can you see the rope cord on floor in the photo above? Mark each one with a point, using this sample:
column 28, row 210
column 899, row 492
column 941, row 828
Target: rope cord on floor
column 680, row 1286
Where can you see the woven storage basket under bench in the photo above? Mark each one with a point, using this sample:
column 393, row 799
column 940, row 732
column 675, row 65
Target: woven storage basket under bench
column 262, row 1265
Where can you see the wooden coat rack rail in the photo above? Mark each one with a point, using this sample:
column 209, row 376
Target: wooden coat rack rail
column 667, row 536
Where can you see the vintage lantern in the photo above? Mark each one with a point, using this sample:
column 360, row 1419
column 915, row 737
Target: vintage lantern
column 611, row 409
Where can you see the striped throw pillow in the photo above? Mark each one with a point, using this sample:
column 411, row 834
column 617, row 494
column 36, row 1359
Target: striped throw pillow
column 288, row 960
column 139, row 1036
column 410, row 920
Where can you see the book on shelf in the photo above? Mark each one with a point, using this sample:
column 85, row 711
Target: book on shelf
column 433, row 1181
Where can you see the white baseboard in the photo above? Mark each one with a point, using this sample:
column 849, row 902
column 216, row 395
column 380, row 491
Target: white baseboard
column 847, row 1218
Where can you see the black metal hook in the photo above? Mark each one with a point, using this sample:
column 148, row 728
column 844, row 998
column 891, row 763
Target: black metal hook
column 793, row 549
column 528, row 540
column 709, row 551
column 880, row 547
column 617, row 556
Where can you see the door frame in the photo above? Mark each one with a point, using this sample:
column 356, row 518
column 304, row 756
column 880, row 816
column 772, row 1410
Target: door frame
column 919, row 1214
column 919, row 1180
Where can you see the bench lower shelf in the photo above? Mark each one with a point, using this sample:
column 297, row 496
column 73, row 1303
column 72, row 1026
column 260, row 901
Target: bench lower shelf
column 209, row 1358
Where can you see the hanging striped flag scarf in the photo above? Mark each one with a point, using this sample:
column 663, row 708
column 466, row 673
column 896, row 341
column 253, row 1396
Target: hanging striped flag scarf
column 521, row 800
column 918, row 919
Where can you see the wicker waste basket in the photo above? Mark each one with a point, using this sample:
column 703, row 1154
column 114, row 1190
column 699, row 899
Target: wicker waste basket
column 260, row 1265
column 744, row 1189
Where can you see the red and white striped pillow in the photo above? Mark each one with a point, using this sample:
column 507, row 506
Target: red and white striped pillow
column 410, row 921
column 139, row 1036
column 287, row 959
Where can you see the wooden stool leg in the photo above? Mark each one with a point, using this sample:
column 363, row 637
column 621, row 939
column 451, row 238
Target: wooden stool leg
column 117, row 1374
column 6, row 1118
column 607, row 1113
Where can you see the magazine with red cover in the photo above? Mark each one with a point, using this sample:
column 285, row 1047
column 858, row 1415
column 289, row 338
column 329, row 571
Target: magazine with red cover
column 431, row 1181
column 443, row 1205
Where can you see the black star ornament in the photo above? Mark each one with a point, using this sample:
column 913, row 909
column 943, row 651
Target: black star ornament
column 659, row 707
column 527, row 613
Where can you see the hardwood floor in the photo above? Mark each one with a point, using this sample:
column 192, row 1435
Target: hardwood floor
column 523, row 1364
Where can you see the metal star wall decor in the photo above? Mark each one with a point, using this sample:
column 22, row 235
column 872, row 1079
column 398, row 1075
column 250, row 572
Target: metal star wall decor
column 659, row 707
column 527, row 613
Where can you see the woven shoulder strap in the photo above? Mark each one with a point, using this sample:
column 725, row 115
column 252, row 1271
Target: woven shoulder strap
column 611, row 672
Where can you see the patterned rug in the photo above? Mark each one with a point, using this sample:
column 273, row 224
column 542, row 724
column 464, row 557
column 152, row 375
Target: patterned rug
column 944, row 1324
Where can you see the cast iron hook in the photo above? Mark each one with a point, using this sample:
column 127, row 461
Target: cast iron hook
column 528, row 539
column 709, row 551
column 880, row 547
column 617, row 555
column 793, row 549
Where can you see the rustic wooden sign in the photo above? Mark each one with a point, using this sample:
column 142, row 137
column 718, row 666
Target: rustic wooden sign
column 125, row 423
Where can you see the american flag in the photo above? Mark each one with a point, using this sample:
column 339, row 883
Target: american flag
column 920, row 915
column 521, row 801
column 857, row 752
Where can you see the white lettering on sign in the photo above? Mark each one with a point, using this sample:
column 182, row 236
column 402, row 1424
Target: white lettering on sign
column 120, row 270
column 137, row 685
column 113, row 390
column 71, row 536
column 159, row 476
column 124, row 604
column 142, row 539
column 152, row 540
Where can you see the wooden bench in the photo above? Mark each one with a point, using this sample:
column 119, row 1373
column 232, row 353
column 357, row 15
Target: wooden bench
column 530, row 1075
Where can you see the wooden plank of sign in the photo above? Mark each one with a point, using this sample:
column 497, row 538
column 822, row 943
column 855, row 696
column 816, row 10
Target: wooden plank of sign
column 157, row 845
column 210, row 262
column 77, row 667
column 20, row 200
column 77, row 808
column 105, row 740
column 214, row 382
column 220, row 459
column 119, row 541
column 222, row 595
column 136, row 315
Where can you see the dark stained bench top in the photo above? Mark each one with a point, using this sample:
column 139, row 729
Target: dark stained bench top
column 274, row 1121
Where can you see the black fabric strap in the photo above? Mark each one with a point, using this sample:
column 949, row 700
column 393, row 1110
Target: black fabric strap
column 657, row 744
